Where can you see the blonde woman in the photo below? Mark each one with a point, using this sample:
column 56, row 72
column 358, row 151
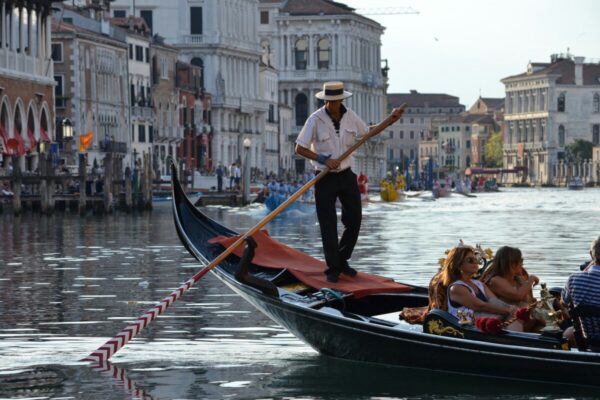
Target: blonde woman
column 470, row 295
column 507, row 278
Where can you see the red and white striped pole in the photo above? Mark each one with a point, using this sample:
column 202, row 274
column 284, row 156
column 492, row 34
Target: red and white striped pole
column 106, row 351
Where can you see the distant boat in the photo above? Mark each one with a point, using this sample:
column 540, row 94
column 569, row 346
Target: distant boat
column 391, row 192
column 576, row 184
column 274, row 200
column 441, row 189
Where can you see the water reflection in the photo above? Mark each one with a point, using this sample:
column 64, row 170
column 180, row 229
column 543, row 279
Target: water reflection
column 70, row 283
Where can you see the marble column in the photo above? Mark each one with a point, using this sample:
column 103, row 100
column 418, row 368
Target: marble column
column 3, row 26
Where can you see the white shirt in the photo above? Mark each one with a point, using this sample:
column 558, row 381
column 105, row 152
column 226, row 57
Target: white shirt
column 319, row 135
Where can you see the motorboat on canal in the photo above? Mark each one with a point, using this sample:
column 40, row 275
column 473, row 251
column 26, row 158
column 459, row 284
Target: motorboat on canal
column 357, row 318
column 576, row 184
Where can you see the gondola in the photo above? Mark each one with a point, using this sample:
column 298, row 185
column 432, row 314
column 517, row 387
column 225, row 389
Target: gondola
column 357, row 319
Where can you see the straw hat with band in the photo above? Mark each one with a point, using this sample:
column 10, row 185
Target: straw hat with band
column 333, row 91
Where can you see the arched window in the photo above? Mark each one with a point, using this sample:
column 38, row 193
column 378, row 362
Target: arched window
column 30, row 140
column 323, row 53
column 301, row 107
column 4, row 125
column 199, row 63
column 561, row 135
column 596, row 106
column 561, row 103
column 596, row 134
column 301, row 54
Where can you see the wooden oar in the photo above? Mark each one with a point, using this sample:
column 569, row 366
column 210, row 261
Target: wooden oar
column 104, row 352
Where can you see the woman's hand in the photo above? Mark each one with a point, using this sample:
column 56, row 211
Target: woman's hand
column 511, row 310
column 533, row 280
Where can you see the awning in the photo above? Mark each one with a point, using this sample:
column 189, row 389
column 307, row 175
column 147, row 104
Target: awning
column 271, row 253
column 44, row 135
column 4, row 139
column 20, row 145
column 32, row 141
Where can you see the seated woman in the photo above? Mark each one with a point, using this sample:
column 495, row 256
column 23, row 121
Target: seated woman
column 470, row 295
column 507, row 278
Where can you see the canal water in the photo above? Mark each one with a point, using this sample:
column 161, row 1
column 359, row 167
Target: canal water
column 68, row 284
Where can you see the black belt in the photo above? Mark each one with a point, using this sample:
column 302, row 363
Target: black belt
column 334, row 172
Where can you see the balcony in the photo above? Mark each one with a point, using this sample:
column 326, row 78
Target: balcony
column 113, row 147
column 142, row 112
column 23, row 65
column 193, row 39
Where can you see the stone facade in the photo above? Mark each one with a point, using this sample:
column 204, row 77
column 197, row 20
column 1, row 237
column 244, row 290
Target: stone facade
column 220, row 37
column 168, row 133
column 413, row 139
column 311, row 42
column 26, row 82
column 547, row 107
column 90, row 63
column 140, row 95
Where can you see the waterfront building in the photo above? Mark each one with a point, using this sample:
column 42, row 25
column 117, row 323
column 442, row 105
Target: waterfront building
column 287, row 141
column 414, row 138
column 195, row 118
column 547, row 107
column 220, row 37
column 310, row 42
column 90, row 70
column 142, row 121
column 271, row 142
column 26, row 82
column 486, row 116
column 596, row 165
column 168, row 132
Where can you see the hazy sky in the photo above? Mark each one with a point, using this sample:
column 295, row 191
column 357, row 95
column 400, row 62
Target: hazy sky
column 464, row 47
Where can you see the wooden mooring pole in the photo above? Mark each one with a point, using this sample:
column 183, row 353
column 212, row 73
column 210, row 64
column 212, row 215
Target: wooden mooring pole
column 82, row 184
column 17, row 179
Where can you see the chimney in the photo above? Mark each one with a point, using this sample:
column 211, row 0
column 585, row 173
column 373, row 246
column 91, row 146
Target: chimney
column 579, row 71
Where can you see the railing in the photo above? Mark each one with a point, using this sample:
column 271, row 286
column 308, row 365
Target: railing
column 193, row 39
column 113, row 147
column 145, row 112
column 23, row 64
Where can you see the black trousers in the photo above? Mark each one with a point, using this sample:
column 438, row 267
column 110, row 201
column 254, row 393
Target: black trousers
column 342, row 186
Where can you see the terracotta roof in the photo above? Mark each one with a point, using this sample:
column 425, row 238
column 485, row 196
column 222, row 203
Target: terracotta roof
column 135, row 23
column 478, row 119
column 416, row 99
column 565, row 69
column 493, row 103
column 315, row 7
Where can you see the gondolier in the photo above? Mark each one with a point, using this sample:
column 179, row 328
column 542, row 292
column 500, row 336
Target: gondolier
column 326, row 135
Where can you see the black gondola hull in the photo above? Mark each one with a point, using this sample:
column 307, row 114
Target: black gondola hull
column 355, row 340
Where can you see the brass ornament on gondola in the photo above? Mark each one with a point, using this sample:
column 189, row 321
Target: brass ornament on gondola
column 437, row 327
column 543, row 310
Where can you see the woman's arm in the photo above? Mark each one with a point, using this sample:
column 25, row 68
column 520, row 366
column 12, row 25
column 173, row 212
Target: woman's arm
column 460, row 294
column 503, row 288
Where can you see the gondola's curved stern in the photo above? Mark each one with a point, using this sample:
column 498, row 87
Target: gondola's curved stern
column 194, row 228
